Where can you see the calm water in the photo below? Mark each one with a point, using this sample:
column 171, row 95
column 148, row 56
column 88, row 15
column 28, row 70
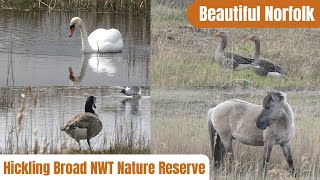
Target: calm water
column 42, row 50
column 120, row 116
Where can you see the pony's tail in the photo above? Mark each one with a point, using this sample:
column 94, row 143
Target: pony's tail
column 217, row 148
column 212, row 132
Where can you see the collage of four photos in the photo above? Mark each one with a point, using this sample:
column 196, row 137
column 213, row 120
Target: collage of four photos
column 134, row 77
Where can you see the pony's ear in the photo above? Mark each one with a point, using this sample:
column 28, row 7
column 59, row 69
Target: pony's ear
column 276, row 97
column 266, row 101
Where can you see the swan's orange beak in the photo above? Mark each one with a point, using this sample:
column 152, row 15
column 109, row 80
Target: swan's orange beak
column 72, row 27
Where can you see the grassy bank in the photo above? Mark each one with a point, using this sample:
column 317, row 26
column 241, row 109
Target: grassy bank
column 182, row 55
column 118, row 6
column 179, row 125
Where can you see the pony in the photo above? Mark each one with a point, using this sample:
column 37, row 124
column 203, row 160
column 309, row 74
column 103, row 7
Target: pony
column 271, row 123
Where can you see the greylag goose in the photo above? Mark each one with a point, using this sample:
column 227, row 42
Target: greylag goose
column 131, row 91
column 267, row 68
column 231, row 60
column 84, row 125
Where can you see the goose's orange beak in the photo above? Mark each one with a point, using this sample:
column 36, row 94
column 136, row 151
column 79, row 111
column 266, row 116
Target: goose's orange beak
column 72, row 27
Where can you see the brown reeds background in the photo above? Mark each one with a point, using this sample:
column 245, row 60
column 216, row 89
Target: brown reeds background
column 113, row 6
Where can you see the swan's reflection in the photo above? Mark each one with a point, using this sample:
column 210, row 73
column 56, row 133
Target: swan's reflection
column 105, row 64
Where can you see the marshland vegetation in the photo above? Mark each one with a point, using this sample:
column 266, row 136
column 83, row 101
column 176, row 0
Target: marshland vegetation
column 141, row 7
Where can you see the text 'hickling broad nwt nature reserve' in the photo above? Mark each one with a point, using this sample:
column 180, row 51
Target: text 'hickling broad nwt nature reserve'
column 102, row 167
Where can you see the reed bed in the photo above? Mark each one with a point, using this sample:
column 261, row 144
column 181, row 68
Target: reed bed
column 184, row 55
column 173, row 3
column 179, row 117
column 113, row 6
column 20, row 105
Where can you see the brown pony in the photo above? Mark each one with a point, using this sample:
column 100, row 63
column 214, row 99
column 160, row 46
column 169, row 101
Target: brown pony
column 252, row 124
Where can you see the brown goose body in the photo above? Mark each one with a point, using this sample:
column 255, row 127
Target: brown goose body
column 84, row 125
column 86, row 122
column 231, row 60
column 266, row 67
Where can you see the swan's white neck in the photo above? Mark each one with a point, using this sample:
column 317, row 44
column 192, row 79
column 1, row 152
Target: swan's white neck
column 84, row 37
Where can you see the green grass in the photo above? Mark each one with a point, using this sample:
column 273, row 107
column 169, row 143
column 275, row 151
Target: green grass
column 183, row 56
column 179, row 117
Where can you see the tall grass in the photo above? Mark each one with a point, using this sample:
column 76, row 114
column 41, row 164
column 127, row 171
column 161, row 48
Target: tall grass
column 172, row 3
column 183, row 55
column 114, row 6
column 179, row 117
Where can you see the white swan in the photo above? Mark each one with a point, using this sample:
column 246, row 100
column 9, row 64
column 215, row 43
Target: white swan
column 100, row 40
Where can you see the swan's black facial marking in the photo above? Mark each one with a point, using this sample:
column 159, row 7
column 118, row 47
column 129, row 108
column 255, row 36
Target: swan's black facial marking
column 72, row 28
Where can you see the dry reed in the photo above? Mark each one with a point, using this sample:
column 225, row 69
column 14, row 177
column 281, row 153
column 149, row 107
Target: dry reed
column 114, row 6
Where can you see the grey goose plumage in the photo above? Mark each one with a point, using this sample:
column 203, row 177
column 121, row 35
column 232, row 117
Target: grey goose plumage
column 230, row 60
column 266, row 67
column 84, row 125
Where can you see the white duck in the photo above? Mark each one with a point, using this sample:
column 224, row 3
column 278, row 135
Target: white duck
column 133, row 91
column 100, row 40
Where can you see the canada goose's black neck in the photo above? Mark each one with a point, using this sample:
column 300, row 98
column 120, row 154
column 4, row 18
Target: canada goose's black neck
column 257, row 52
column 88, row 108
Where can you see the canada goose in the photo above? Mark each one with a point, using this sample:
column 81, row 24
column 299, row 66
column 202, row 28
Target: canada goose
column 84, row 125
column 231, row 60
column 131, row 91
column 267, row 68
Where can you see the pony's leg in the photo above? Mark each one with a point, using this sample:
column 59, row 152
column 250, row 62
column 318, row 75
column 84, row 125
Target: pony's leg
column 287, row 153
column 79, row 144
column 227, row 142
column 266, row 155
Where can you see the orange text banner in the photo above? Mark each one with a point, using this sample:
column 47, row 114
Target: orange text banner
column 101, row 167
column 254, row 13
